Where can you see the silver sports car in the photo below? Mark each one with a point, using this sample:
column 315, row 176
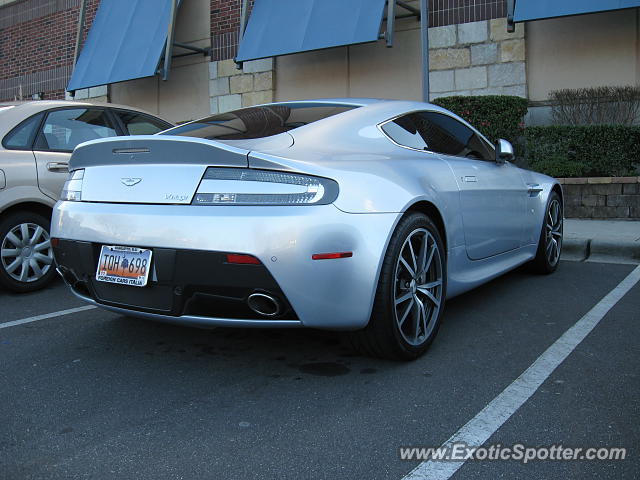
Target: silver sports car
column 351, row 214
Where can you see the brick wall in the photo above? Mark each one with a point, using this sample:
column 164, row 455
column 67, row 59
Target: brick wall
column 37, row 41
column 602, row 197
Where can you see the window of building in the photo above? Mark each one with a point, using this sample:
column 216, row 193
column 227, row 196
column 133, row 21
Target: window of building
column 65, row 129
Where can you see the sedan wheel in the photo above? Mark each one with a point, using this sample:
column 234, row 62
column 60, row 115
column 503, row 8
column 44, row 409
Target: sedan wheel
column 410, row 295
column 26, row 256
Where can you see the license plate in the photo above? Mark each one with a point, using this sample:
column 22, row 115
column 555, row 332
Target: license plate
column 124, row 265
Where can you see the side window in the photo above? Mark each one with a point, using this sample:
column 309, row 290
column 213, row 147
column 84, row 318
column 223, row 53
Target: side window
column 446, row 135
column 65, row 129
column 21, row 137
column 140, row 124
column 404, row 131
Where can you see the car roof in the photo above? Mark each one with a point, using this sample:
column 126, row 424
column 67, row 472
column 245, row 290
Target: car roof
column 374, row 110
column 386, row 107
column 380, row 109
column 18, row 111
column 40, row 105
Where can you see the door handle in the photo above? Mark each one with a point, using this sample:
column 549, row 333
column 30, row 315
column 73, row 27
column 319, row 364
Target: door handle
column 470, row 179
column 58, row 166
column 534, row 188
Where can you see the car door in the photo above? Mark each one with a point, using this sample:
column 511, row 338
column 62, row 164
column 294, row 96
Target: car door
column 59, row 134
column 492, row 195
column 17, row 162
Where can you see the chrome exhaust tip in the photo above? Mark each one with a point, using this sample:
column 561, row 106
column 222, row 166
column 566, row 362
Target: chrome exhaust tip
column 264, row 304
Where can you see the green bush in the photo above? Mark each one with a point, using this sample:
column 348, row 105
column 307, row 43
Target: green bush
column 496, row 116
column 583, row 150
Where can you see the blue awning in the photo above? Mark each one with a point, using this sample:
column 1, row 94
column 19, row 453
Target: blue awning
column 526, row 10
column 280, row 27
column 126, row 41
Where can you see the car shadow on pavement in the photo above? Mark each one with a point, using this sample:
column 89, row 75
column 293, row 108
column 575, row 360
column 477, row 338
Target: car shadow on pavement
column 284, row 353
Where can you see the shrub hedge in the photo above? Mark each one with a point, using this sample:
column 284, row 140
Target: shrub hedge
column 496, row 116
column 559, row 150
column 596, row 106
column 583, row 150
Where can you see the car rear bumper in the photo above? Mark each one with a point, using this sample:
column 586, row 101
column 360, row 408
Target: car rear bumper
column 189, row 245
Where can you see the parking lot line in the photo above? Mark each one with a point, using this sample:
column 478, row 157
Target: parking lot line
column 480, row 428
column 45, row 316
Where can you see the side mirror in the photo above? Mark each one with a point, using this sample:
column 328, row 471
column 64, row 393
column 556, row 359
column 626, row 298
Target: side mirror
column 504, row 152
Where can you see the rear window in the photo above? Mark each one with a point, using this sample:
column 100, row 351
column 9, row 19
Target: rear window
column 258, row 122
column 21, row 137
column 139, row 124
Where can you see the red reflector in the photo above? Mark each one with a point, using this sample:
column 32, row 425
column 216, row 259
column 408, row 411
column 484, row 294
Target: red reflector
column 244, row 259
column 330, row 256
column 54, row 242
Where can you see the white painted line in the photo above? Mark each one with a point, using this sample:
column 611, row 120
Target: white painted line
column 478, row 430
column 45, row 316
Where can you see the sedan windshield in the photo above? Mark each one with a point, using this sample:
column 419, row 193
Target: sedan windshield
column 258, row 122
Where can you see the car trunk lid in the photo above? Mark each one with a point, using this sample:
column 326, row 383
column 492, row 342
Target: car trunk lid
column 150, row 169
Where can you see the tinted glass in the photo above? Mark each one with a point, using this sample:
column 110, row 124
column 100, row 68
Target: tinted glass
column 21, row 137
column 404, row 132
column 445, row 134
column 65, row 129
column 139, row 124
column 258, row 122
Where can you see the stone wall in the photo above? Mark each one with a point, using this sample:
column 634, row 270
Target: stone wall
column 602, row 197
column 95, row 94
column 230, row 88
column 478, row 58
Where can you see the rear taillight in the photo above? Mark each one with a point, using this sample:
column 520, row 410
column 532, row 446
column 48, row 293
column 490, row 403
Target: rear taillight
column 72, row 190
column 242, row 186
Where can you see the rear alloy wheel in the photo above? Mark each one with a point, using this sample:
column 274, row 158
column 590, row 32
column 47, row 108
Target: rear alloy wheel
column 26, row 257
column 410, row 295
column 550, row 243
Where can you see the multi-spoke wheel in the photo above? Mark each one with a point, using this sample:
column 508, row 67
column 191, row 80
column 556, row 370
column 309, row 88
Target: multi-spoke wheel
column 418, row 286
column 550, row 243
column 26, row 257
column 410, row 295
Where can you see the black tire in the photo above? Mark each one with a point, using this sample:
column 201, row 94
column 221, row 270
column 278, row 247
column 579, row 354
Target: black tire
column 550, row 243
column 34, row 252
column 388, row 336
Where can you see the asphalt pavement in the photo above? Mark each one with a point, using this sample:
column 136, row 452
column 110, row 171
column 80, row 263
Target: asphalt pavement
column 92, row 394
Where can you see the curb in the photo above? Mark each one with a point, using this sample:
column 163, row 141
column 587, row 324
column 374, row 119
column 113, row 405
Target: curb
column 605, row 251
